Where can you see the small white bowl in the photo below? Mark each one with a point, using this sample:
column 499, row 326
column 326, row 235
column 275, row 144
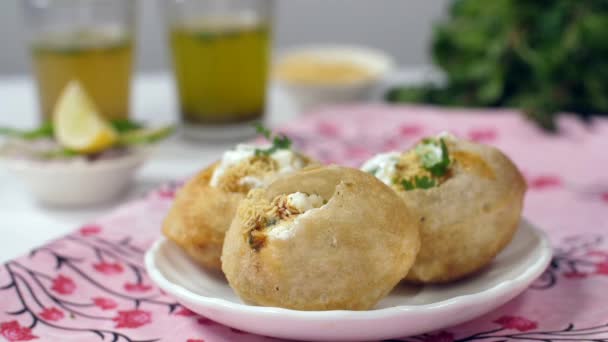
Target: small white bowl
column 77, row 182
column 310, row 95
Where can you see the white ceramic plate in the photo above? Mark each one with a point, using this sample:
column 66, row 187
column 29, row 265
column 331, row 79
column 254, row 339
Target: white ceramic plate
column 406, row 311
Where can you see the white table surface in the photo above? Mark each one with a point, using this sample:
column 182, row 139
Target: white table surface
column 25, row 224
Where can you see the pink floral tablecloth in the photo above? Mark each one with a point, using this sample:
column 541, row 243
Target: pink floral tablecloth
column 91, row 285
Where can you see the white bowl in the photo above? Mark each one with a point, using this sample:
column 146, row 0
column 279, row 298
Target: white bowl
column 77, row 182
column 308, row 96
column 406, row 311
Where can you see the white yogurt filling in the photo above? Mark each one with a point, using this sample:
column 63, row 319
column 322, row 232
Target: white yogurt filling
column 383, row 166
column 431, row 150
column 305, row 204
column 287, row 160
column 251, row 181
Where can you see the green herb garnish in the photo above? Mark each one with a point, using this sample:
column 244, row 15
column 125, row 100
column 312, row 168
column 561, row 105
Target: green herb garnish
column 130, row 133
column 144, row 135
column 437, row 164
column 44, row 131
column 423, row 182
column 125, row 125
column 59, row 153
column 279, row 142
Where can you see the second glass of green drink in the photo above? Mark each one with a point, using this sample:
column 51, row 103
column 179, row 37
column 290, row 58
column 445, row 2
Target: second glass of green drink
column 221, row 52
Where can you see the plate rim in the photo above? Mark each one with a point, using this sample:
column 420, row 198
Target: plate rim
column 530, row 274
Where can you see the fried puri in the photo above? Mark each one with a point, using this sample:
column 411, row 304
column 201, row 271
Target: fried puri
column 468, row 214
column 205, row 205
column 327, row 238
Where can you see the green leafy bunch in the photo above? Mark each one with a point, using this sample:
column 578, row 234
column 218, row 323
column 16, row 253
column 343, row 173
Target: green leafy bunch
column 279, row 142
column 541, row 56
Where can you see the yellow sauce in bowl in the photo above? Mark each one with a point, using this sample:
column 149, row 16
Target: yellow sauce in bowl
column 312, row 70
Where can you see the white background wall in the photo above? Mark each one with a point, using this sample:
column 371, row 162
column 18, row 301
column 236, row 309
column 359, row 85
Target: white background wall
column 401, row 27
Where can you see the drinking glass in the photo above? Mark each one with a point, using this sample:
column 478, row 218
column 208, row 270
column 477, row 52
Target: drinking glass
column 220, row 51
column 88, row 41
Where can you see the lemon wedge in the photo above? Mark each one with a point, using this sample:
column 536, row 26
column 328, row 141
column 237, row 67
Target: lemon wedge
column 78, row 123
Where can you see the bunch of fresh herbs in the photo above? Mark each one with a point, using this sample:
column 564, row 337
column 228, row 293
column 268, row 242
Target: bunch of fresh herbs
column 543, row 57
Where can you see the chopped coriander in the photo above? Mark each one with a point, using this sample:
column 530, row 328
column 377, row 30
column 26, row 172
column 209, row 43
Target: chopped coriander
column 279, row 142
column 374, row 171
column 262, row 130
column 434, row 156
column 407, row 185
column 423, row 182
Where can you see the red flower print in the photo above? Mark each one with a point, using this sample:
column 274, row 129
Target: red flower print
column 132, row 287
column 443, row 336
column 185, row 312
column 195, row 340
column 132, row 318
column 108, row 268
column 391, row 144
column 52, row 314
column 104, row 303
column 482, row 135
column 601, row 268
column 601, row 254
column 357, row 152
column 166, row 193
column 516, row 322
column 575, row 275
column 90, row 229
column 327, row 129
column 410, row 130
column 605, row 197
column 63, row 285
column 204, row 321
column 544, row 182
column 13, row 331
